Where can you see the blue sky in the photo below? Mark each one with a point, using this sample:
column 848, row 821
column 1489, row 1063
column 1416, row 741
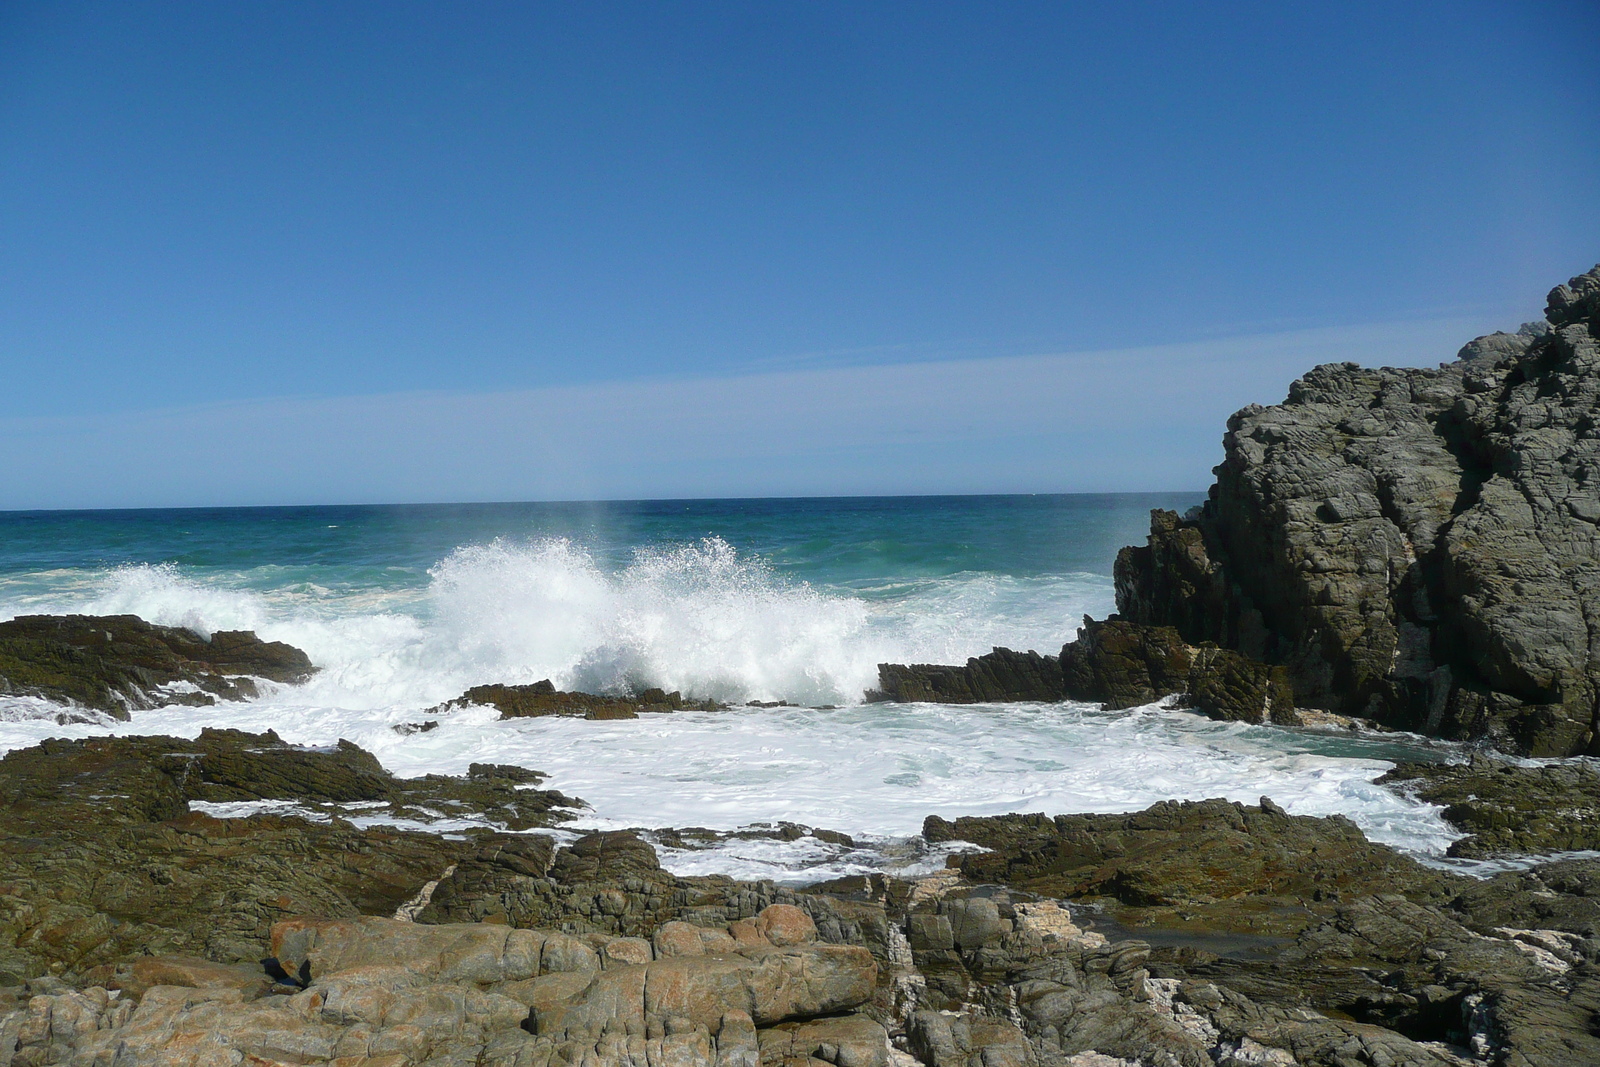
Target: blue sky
column 241, row 244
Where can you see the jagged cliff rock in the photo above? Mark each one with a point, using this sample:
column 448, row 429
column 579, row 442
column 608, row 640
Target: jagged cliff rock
column 1415, row 546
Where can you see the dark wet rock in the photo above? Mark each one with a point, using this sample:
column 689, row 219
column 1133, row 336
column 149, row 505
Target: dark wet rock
column 1510, row 808
column 543, row 698
column 698, row 837
column 1115, row 663
column 1001, row 675
column 1124, row 665
column 101, row 858
column 1416, row 547
column 120, row 663
column 1210, row 865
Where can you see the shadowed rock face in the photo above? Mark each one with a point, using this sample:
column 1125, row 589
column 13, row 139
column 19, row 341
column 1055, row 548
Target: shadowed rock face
column 120, row 663
column 1415, row 546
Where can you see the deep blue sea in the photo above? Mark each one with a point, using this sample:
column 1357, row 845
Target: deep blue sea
column 404, row 607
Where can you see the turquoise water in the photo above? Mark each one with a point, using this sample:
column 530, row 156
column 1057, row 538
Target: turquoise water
column 850, row 542
column 738, row 599
column 402, row 608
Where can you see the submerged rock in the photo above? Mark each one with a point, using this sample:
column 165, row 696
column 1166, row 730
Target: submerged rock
column 120, row 663
column 1417, row 547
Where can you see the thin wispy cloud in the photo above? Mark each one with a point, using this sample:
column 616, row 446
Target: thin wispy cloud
column 1146, row 418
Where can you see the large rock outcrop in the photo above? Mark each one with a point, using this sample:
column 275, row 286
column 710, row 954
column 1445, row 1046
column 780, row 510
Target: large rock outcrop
column 1415, row 546
column 120, row 663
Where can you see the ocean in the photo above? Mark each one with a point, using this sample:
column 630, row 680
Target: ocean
column 404, row 607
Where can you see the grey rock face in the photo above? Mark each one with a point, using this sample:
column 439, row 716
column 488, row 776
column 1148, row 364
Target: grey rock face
column 1419, row 547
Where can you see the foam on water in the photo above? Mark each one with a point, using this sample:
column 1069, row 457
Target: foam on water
column 705, row 619
column 700, row 618
column 873, row 771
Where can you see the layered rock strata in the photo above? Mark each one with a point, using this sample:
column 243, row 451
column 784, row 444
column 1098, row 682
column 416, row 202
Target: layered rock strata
column 1418, row 547
column 120, row 663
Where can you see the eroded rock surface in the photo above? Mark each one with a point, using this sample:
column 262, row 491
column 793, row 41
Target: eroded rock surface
column 1417, row 547
column 120, row 663
column 942, row 970
column 101, row 857
column 1208, row 864
column 385, row 991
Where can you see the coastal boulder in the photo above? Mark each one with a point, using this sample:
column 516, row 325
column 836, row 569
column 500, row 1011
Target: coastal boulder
column 120, row 663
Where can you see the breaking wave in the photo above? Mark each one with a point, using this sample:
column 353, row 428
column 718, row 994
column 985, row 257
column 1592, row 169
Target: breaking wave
column 701, row 618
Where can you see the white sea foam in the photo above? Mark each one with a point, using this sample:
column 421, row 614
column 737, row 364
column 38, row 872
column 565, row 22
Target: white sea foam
column 874, row 771
column 703, row 619
column 699, row 618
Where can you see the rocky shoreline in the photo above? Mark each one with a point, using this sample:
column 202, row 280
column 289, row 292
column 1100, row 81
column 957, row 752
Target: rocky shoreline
column 134, row 926
column 1198, row 933
column 1411, row 548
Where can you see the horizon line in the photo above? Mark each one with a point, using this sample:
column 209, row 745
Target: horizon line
column 6, row 512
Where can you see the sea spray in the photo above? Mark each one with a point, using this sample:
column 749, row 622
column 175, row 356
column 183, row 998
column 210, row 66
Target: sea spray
column 701, row 618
